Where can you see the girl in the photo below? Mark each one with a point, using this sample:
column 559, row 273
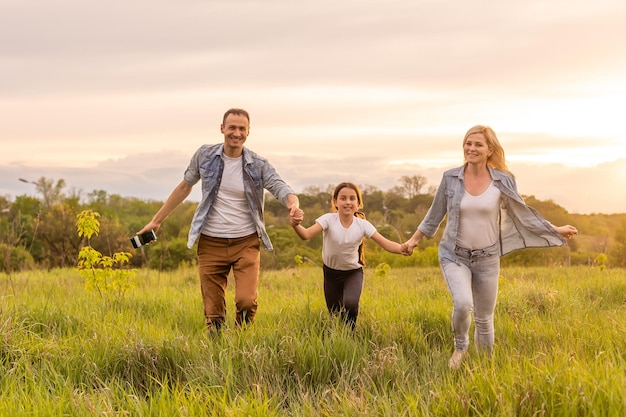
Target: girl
column 344, row 231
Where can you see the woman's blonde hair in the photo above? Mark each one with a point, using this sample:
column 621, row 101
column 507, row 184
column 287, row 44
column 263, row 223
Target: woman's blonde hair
column 359, row 214
column 496, row 159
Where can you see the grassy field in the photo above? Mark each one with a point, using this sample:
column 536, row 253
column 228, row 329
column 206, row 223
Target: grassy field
column 560, row 348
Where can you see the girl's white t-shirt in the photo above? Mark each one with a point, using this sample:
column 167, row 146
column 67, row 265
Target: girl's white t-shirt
column 340, row 244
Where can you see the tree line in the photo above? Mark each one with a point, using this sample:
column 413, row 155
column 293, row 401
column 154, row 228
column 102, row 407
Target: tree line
column 40, row 231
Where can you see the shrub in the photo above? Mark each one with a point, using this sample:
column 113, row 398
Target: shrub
column 102, row 273
column 15, row 258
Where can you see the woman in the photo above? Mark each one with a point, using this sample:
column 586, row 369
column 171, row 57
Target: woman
column 486, row 219
column 344, row 231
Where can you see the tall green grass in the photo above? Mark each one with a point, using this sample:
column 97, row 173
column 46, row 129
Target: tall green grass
column 560, row 348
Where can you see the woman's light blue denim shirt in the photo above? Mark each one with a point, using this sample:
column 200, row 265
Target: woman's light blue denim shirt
column 258, row 175
column 521, row 226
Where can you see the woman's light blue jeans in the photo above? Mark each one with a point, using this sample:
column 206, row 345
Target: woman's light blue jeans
column 473, row 284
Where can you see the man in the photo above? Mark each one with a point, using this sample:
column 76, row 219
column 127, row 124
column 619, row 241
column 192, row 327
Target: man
column 229, row 219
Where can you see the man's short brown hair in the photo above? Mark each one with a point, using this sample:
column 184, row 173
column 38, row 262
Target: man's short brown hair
column 239, row 112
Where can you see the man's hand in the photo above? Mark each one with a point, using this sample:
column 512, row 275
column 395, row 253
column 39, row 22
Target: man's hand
column 296, row 215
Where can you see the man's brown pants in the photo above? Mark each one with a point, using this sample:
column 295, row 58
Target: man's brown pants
column 216, row 258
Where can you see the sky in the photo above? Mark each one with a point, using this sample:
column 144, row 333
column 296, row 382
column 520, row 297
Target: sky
column 117, row 95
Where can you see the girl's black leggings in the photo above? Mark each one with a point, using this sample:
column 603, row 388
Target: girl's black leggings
column 342, row 290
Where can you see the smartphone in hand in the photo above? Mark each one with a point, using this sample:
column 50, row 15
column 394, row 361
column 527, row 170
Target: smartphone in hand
column 142, row 239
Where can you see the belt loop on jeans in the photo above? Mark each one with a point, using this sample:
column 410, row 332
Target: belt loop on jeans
column 457, row 248
column 475, row 252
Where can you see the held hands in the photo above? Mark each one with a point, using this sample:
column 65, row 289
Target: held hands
column 566, row 231
column 296, row 215
column 408, row 246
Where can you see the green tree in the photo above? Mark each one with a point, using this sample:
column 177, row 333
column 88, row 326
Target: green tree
column 44, row 227
column 13, row 255
column 394, row 199
column 51, row 192
column 57, row 232
column 25, row 215
column 617, row 255
column 412, row 185
column 551, row 211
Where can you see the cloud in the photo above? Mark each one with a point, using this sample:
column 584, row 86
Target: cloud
column 147, row 176
column 370, row 91
column 578, row 189
column 73, row 47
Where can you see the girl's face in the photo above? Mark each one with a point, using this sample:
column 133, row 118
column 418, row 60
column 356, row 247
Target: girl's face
column 347, row 201
column 476, row 150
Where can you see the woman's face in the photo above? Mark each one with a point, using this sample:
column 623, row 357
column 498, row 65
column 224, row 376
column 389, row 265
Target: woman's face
column 476, row 150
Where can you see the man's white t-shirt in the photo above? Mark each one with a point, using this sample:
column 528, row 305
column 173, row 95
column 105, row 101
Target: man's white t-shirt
column 340, row 244
column 230, row 215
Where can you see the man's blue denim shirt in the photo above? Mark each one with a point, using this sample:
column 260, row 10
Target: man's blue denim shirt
column 520, row 225
column 258, row 175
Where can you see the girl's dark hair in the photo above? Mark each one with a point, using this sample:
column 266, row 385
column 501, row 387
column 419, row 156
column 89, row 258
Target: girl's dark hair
column 359, row 214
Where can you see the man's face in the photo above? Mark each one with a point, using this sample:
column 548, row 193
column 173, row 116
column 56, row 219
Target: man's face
column 235, row 129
